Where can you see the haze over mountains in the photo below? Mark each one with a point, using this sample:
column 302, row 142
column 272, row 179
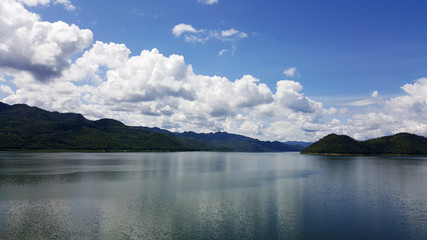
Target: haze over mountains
column 30, row 128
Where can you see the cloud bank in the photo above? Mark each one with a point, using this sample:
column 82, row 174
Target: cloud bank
column 151, row 89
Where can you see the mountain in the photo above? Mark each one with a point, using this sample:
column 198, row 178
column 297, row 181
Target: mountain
column 222, row 141
column 398, row 144
column 30, row 128
column 299, row 144
column 402, row 143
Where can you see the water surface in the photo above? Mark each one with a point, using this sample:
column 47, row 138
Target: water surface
column 204, row 195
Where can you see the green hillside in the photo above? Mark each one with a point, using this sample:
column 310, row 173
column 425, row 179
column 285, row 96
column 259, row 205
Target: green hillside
column 399, row 144
column 222, row 141
column 30, row 128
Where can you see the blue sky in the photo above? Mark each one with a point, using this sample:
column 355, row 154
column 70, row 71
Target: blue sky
column 350, row 47
column 349, row 59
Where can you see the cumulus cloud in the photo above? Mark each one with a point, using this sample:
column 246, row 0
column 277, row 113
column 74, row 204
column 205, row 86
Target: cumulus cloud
column 192, row 34
column 417, row 90
column 40, row 48
column 413, row 105
column 147, row 77
column 89, row 67
column 288, row 94
column 183, row 28
column 406, row 113
column 290, row 72
column 208, row 2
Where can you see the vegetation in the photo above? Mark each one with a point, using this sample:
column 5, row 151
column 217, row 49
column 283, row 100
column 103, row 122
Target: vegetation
column 31, row 128
column 222, row 141
column 402, row 143
column 399, row 144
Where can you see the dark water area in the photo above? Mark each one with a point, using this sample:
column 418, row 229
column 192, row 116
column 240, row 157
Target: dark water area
column 209, row 195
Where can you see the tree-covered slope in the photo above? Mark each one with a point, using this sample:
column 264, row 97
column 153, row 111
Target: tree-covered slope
column 399, row 144
column 30, row 128
column 222, row 141
column 338, row 144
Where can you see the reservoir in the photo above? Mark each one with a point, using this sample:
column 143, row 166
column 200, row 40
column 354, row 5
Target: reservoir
column 211, row 195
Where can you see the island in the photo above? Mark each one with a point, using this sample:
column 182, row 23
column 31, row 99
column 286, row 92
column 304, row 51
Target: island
column 398, row 144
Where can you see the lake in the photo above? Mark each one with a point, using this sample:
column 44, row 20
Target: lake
column 211, row 195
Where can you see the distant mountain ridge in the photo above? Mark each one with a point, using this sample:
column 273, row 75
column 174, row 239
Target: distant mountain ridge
column 30, row 128
column 299, row 144
column 222, row 141
column 398, row 144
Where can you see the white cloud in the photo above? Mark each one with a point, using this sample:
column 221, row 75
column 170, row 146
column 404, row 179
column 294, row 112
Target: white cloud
column 183, row 28
column 33, row 3
column 88, row 67
column 413, row 105
column 418, row 89
column 406, row 113
column 248, row 92
column 374, row 99
column 6, row 89
column 40, row 48
column 208, row 2
column 374, row 94
column 222, row 52
column 231, row 34
column 147, row 77
column 66, row 3
column 288, row 94
column 192, row 34
column 290, row 72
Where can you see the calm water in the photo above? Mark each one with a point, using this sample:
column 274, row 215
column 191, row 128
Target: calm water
column 201, row 195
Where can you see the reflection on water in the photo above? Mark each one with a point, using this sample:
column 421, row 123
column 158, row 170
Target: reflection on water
column 201, row 195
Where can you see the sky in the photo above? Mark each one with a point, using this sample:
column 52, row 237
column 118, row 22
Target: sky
column 272, row 70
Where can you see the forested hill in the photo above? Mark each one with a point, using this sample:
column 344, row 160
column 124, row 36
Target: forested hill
column 30, row 128
column 398, row 144
column 222, row 141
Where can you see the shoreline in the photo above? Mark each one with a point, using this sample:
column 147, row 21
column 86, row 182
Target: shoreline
column 363, row 155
